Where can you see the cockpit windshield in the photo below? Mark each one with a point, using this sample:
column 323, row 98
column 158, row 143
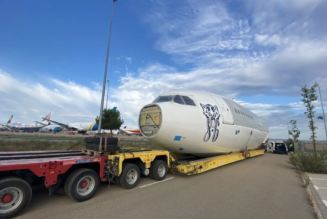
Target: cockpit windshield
column 184, row 100
column 163, row 99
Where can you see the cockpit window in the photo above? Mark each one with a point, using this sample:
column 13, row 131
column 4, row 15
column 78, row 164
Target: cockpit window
column 178, row 99
column 163, row 99
column 185, row 100
column 188, row 101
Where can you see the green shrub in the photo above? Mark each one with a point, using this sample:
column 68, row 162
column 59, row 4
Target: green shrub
column 306, row 180
column 309, row 162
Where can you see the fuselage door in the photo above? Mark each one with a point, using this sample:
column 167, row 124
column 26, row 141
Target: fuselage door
column 226, row 111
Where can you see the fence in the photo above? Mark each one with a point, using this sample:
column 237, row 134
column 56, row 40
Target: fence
column 308, row 146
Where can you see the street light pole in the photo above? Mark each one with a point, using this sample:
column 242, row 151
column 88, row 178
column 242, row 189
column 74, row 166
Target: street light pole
column 107, row 94
column 105, row 70
column 323, row 112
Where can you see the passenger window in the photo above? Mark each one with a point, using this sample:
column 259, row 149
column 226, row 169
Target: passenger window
column 178, row 99
column 188, row 101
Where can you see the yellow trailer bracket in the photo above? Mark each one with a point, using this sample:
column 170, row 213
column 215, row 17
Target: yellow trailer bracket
column 203, row 165
column 146, row 157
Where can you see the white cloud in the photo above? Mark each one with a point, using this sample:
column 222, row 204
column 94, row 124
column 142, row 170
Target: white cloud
column 268, row 40
column 128, row 59
column 31, row 101
column 197, row 27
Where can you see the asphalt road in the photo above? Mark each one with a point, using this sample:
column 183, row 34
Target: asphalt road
column 259, row 187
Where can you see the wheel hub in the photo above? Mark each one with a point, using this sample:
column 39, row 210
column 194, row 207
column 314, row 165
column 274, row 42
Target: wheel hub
column 10, row 199
column 161, row 170
column 131, row 177
column 83, row 184
column 6, row 198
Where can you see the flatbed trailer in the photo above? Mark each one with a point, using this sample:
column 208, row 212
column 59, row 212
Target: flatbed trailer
column 206, row 164
column 80, row 172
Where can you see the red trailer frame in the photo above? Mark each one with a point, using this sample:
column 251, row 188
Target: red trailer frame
column 50, row 168
column 77, row 172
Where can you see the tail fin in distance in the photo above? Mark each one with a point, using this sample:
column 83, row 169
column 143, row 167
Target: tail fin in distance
column 9, row 121
column 48, row 117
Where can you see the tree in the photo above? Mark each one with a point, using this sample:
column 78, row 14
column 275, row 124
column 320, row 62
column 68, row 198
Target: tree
column 295, row 132
column 309, row 96
column 110, row 120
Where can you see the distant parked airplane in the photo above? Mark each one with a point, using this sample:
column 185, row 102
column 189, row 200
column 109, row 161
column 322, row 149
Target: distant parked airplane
column 51, row 128
column 6, row 125
column 130, row 131
column 80, row 127
column 36, row 126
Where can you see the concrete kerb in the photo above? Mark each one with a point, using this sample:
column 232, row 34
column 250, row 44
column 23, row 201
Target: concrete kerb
column 314, row 198
column 317, row 204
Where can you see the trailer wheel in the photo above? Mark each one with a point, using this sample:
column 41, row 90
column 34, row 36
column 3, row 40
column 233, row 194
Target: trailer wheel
column 117, row 181
column 158, row 170
column 82, row 184
column 130, row 176
column 15, row 195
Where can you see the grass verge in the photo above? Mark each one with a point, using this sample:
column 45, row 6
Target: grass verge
column 40, row 145
column 309, row 162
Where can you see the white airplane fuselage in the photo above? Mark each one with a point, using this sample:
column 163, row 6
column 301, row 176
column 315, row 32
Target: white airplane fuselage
column 207, row 125
column 51, row 128
column 90, row 126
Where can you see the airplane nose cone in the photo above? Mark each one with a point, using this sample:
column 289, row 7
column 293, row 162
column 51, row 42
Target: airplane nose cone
column 57, row 129
column 150, row 120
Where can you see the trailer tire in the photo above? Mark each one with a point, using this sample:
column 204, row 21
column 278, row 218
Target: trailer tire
column 117, row 181
column 130, row 176
column 15, row 195
column 158, row 170
column 82, row 184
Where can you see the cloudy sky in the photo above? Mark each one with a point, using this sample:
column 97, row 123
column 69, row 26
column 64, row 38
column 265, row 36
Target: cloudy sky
column 52, row 56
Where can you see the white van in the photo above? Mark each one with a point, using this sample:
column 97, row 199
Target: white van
column 278, row 147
